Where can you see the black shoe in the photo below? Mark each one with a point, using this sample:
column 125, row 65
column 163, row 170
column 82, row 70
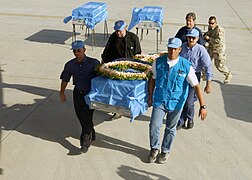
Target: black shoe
column 93, row 135
column 190, row 124
column 183, row 126
column 179, row 127
column 85, row 142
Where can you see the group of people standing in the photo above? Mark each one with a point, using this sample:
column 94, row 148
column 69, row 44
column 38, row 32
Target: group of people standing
column 173, row 88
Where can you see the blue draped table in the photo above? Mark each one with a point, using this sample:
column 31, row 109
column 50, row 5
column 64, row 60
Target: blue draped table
column 150, row 18
column 126, row 97
column 89, row 15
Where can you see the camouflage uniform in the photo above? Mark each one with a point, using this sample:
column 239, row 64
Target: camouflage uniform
column 216, row 48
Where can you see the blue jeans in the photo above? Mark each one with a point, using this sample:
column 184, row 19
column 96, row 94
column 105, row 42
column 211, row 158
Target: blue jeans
column 156, row 122
column 188, row 109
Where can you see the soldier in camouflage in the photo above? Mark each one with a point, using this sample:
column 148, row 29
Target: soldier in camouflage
column 215, row 36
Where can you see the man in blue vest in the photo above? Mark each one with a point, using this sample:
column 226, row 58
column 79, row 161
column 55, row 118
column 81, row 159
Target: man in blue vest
column 168, row 90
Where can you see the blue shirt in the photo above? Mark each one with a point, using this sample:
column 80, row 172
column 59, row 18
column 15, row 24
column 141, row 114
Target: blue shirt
column 82, row 73
column 199, row 58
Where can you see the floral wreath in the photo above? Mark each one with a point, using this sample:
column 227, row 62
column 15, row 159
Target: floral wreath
column 119, row 70
column 146, row 58
column 149, row 57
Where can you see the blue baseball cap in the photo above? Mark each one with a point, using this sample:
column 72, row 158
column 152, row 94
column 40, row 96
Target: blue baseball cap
column 119, row 25
column 78, row 44
column 174, row 43
column 193, row 33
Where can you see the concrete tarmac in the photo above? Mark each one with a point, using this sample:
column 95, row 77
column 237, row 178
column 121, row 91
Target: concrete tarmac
column 40, row 135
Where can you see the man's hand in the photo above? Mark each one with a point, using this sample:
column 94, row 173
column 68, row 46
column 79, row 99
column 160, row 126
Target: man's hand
column 62, row 97
column 202, row 113
column 206, row 37
column 208, row 89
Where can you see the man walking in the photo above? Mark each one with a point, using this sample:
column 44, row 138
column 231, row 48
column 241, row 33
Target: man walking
column 215, row 36
column 198, row 56
column 82, row 70
column 168, row 90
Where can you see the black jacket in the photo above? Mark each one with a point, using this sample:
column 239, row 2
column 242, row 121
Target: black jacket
column 129, row 46
column 181, row 34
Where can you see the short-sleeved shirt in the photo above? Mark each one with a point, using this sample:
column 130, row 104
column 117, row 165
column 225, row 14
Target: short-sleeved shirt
column 191, row 78
column 82, row 73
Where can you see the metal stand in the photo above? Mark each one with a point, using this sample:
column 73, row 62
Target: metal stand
column 82, row 24
column 150, row 25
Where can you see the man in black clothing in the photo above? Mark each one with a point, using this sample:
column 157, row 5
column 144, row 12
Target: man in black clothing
column 82, row 70
column 121, row 44
column 190, row 24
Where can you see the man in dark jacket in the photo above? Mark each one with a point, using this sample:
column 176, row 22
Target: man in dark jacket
column 190, row 24
column 121, row 44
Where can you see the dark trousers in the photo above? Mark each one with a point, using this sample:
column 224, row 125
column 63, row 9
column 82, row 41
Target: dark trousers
column 188, row 109
column 84, row 114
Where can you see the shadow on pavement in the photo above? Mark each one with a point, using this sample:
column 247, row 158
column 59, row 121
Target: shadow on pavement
column 50, row 119
column 127, row 172
column 50, row 36
column 112, row 143
column 59, row 37
column 142, row 118
column 100, row 39
column 237, row 100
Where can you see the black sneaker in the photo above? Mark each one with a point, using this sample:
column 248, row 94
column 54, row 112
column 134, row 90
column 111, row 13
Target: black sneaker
column 85, row 142
column 179, row 127
column 190, row 125
column 153, row 155
column 163, row 158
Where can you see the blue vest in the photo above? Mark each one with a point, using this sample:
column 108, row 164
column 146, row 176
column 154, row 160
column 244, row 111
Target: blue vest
column 171, row 88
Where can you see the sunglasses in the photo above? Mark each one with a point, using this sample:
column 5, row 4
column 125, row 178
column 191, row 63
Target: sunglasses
column 76, row 50
column 190, row 37
column 211, row 23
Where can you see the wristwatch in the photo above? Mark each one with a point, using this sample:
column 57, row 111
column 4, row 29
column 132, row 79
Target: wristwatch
column 203, row 107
